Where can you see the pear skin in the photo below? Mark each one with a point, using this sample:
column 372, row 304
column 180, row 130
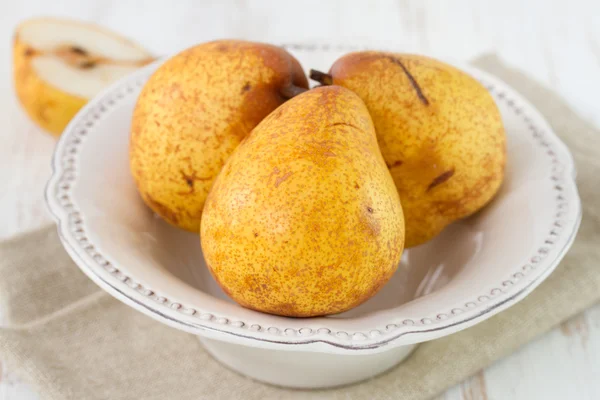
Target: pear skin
column 439, row 130
column 194, row 111
column 304, row 219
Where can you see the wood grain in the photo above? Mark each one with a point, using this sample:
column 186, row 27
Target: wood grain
column 475, row 388
column 577, row 327
column 556, row 42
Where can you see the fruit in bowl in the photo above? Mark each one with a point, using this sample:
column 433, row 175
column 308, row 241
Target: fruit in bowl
column 439, row 130
column 294, row 199
column 194, row 111
column 304, row 219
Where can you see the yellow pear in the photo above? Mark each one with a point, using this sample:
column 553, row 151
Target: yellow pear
column 60, row 64
column 439, row 131
column 304, row 219
column 194, row 111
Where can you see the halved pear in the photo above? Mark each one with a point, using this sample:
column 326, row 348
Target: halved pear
column 60, row 64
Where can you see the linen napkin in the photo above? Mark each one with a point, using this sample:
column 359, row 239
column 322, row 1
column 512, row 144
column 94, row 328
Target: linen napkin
column 72, row 341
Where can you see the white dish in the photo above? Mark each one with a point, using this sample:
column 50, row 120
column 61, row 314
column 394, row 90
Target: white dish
column 473, row 270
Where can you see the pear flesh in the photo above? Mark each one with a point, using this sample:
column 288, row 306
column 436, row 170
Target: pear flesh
column 60, row 64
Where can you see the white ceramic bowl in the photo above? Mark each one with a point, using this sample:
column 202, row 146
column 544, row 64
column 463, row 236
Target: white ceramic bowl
column 473, row 270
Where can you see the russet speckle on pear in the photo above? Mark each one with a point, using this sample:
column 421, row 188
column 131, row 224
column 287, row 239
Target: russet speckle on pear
column 304, row 219
column 194, row 111
column 439, row 131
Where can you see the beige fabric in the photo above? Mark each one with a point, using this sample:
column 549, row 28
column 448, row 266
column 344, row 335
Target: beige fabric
column 72, row 341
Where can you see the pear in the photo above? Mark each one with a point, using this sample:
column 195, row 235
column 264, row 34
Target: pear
column 439, row 131
column 304, row 219
column 194, row 111
column 60, row 64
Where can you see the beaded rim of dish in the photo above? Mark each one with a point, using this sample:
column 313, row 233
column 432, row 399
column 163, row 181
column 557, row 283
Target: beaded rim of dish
column 65, row 168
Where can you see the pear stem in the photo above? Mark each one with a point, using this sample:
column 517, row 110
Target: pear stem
column 321, row 77
column 291, row 91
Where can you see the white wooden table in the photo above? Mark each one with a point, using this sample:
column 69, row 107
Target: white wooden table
column 557, row 42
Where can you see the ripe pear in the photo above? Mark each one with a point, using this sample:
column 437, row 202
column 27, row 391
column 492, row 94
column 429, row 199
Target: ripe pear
column 439, row 130
column 60, row 64
column 194, row 111
column 304, row 219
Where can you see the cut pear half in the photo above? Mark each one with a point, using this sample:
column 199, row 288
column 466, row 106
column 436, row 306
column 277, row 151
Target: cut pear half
column 60, row 64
